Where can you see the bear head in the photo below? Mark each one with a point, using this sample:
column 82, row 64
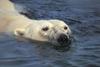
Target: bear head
column 54, row 31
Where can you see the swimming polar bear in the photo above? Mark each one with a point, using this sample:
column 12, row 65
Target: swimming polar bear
column 15, row 24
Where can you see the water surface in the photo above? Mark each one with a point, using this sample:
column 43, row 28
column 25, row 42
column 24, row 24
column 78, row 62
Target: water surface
column 83, row 17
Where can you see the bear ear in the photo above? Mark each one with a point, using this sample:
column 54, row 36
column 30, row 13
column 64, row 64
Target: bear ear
column 19, row 32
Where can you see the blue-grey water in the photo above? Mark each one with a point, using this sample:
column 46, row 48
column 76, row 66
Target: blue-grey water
column 83, row 17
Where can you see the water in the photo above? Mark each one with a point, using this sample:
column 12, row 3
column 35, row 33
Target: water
column 83, row 17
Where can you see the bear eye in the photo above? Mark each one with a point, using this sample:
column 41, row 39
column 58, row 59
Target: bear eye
column 45, row 28
column 65, row 27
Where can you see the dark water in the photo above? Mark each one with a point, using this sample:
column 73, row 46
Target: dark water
column 83, row 17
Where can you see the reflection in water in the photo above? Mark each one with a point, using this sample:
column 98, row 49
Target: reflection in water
column 83, row 17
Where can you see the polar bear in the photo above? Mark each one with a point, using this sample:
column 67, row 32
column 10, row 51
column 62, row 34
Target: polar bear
column 17, row 25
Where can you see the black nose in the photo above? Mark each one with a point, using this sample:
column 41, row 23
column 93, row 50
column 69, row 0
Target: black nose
column 63, row 39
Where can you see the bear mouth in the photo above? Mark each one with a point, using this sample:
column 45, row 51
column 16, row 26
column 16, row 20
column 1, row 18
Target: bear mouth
column 63, row 47
column 63, row 44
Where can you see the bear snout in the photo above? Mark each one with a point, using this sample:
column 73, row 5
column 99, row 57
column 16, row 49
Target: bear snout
column 63, row 40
